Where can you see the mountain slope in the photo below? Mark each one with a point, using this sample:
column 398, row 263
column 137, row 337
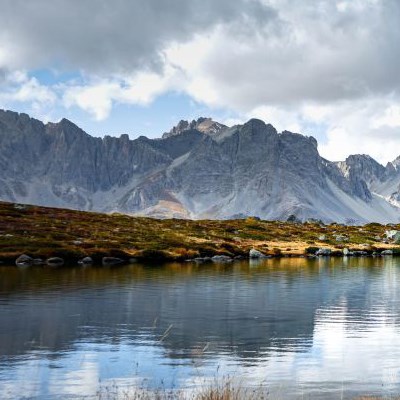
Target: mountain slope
column 201, row 169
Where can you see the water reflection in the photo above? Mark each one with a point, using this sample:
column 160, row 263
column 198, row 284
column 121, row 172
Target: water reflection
column 318, row 327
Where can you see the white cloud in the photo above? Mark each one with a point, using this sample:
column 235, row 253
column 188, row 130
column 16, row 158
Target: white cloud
column 357, row 127
column 18, row 88
column 98, row 97
column 390, row 118
column 280, row 118
column 95, row 99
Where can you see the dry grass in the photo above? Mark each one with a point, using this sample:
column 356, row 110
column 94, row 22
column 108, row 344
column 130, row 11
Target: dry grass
column 228, row 391
column 44, row 232
column 224, row 390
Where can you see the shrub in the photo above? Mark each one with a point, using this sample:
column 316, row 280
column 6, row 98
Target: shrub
column 276, row 251
column 311, row 250
column 154, row 255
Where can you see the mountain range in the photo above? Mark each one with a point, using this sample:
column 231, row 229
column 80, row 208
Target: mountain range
column 200, row 169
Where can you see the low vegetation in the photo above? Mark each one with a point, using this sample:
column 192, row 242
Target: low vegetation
column 225, row 390
column 42, row 232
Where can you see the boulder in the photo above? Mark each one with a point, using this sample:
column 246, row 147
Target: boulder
column 391, row 234
column 221, row 259
column 55, row 262
column 360, row 253
column 202, row 259
column 111, row 261
column 341, row 238
column 323, row 252
column 387, row 253
column 253, row 253
column 86, row 261
column 396, row 238
column 322, row 238
column 24, row 261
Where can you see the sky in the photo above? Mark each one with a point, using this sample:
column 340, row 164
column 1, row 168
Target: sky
column 324, row 68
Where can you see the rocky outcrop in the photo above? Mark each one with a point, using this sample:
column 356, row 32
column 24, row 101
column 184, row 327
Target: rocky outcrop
column 204, row 125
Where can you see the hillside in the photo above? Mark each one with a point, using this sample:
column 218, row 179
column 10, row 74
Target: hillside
column 42, row 232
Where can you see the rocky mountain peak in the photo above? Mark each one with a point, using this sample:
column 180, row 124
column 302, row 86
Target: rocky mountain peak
column 204, row 125
column 310, row 139
column 67, row 130
column 200, row 169
column 361, row 166
column 255, row 123
column 394, row 166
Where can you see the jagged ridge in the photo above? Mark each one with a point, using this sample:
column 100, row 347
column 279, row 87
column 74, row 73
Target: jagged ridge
column 201, row 169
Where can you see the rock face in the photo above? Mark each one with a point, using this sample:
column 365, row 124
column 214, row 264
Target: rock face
column 200, row 169
column 203, row 125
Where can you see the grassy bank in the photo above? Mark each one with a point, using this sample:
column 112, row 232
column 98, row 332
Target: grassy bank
column 43, row 232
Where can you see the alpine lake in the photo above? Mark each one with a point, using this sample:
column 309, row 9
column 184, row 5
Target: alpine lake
column 293, row 328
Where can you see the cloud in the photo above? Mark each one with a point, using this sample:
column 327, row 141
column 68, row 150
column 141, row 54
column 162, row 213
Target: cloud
column 98, row 97
column 108, row 37
column 366, row 126
column 320, row 51
column 18, row 88
column 240, row 54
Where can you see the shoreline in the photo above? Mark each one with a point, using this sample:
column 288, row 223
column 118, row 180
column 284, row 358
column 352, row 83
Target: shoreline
column 56, row 236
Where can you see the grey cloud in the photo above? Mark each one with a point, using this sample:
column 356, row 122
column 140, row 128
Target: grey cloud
column 3, row 75
column 274, row 52
column 312, row 51
column 103, row 36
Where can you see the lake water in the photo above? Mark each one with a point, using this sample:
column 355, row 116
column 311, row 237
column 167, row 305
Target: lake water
column 297, row 328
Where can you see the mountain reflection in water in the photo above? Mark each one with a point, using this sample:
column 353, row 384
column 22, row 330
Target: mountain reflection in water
column 296, row 326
